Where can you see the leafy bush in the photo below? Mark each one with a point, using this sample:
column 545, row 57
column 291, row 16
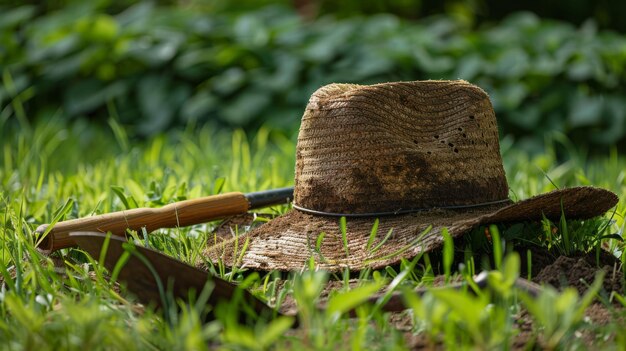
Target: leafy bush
column 154, row 67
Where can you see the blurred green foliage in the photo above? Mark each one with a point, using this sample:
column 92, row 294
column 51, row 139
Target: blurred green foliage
column 608, row 14
column 153, row 67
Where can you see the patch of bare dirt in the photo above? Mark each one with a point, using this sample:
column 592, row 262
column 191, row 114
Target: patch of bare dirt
column 579, row 272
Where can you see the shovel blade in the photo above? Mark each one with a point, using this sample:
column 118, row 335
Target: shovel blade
column 151, row 275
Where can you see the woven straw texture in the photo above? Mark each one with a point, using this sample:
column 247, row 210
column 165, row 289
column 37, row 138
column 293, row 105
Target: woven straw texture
column 420, row 146
column 387, row 147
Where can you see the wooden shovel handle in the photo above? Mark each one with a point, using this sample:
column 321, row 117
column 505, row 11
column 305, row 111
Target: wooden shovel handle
column 182, row 213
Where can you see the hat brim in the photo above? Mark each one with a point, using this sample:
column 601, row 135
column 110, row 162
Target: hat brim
column 289, row 241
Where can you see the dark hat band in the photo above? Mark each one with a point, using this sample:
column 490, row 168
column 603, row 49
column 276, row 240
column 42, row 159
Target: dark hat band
column 397, row 212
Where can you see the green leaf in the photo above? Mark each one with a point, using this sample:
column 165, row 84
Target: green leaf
column 346, row 301
column 120, row 133
column 468, row 308
column 497, row 245
column 612, row 237
column 159, row 99
column 88, row 95
column 320, row 239
column 119, row 191
column 229, row 81
column 12, row 17
column 585, row 111
column 344, row 237
column 511, row 268
column 590, row 294
column 273, row 331
column 58, row 215
column 372, row 236
column 218, row 184
column 382, row 242
column 119, row 265
column 448, row 252
column 565, row 232
column 245, row 107
column 63, row 210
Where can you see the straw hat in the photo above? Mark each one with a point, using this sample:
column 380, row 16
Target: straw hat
column 418, row 156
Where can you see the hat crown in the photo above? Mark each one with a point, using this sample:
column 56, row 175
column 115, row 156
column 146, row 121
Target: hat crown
column 395, row 147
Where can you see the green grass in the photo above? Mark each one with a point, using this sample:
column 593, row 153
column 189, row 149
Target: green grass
column 54, row 171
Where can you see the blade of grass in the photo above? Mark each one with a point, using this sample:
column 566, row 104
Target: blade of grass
column 57, row 217
column 372, row 236
column 344, row 237
column 448, row 253
column 497, row 246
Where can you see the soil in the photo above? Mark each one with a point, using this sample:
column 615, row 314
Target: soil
column 577, row 271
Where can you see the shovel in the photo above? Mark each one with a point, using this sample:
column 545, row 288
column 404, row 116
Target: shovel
column 157, row 279
column 153, row 276
column 177, row 214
